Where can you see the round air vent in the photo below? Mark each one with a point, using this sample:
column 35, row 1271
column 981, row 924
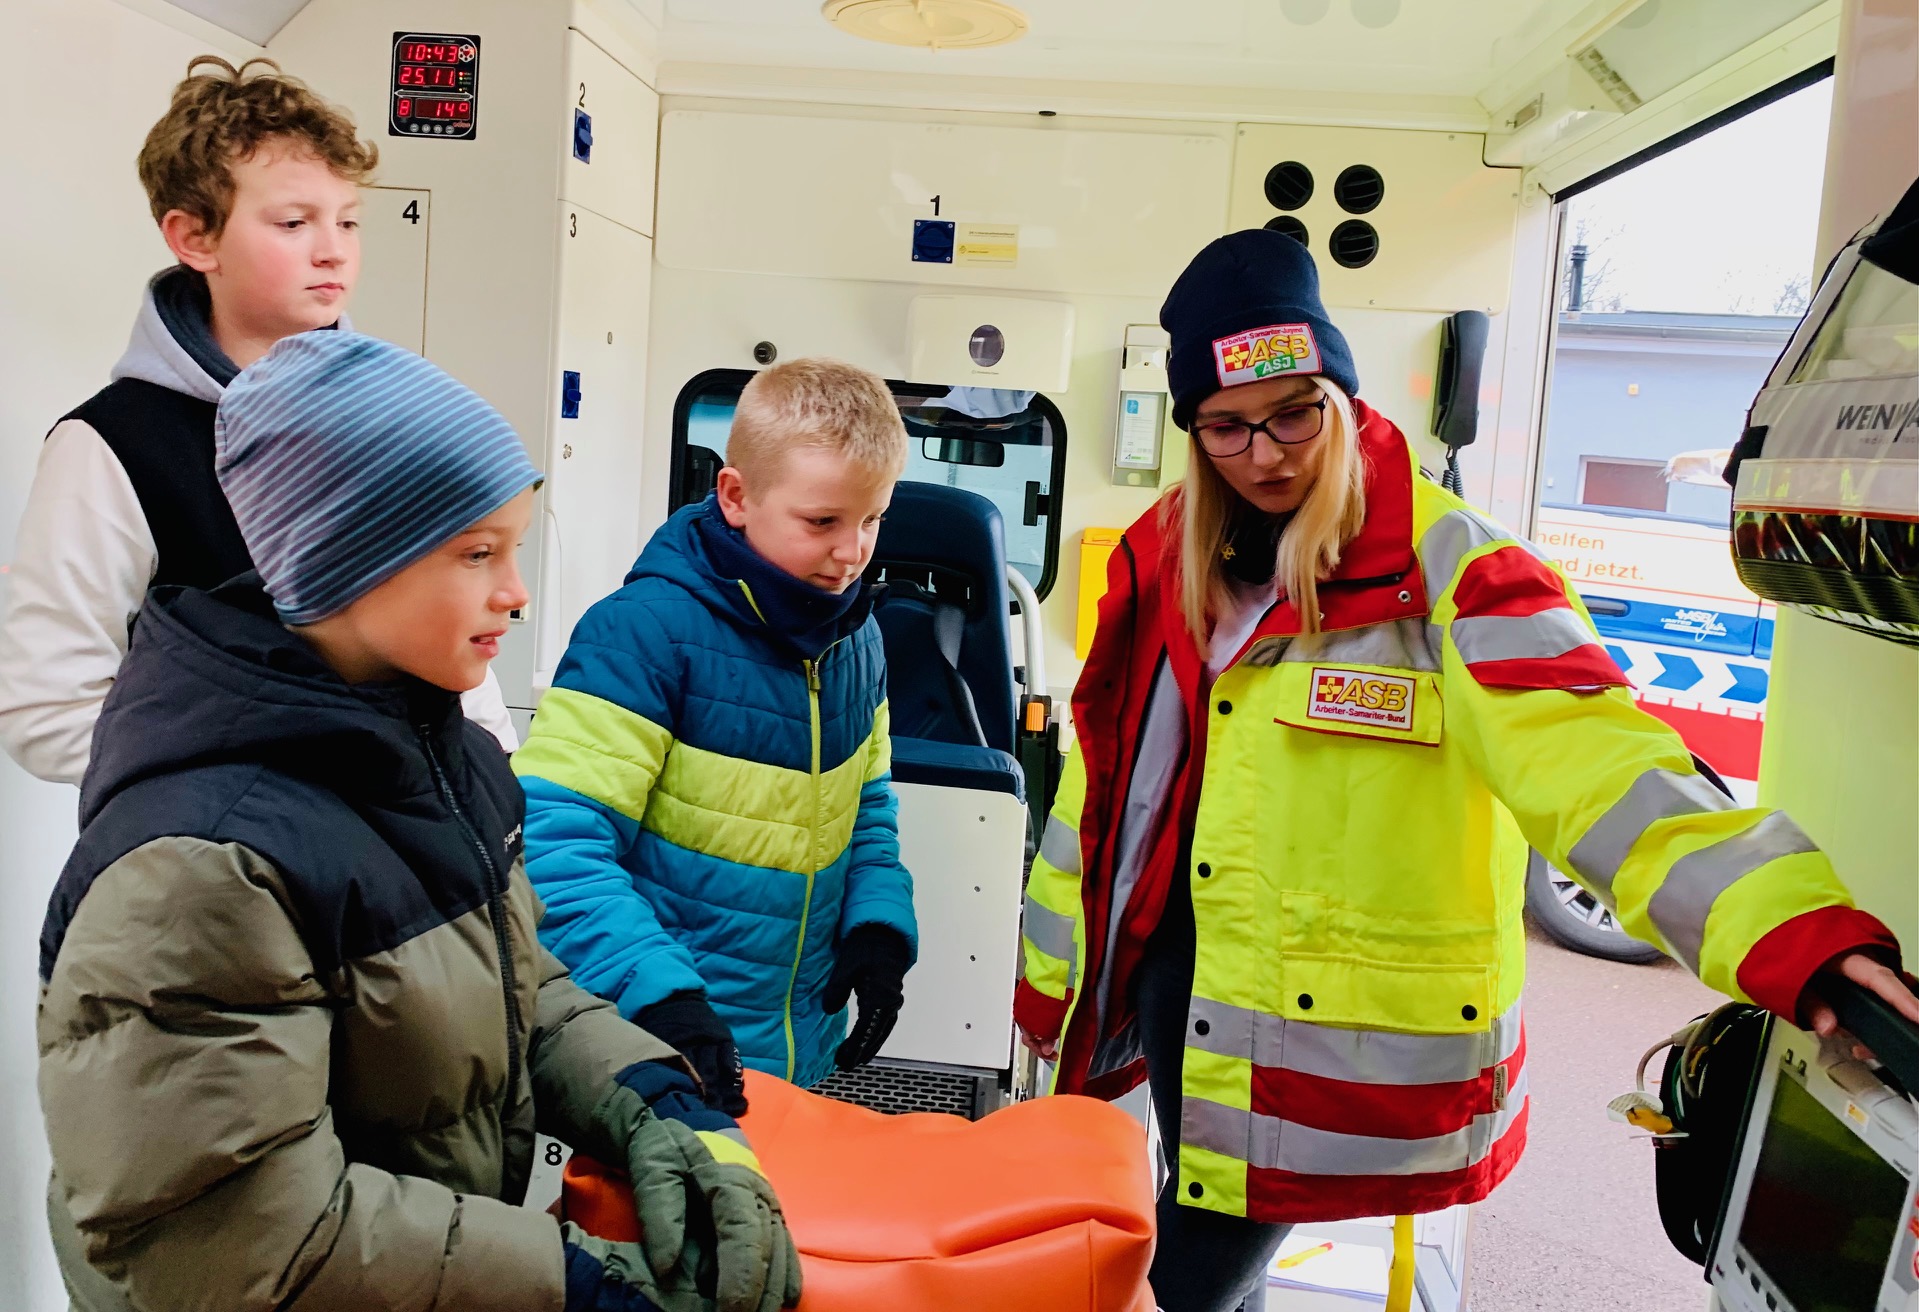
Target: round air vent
column 1289, row 185
column 1354, row 243
column 934, row 24
column 1289, row 225
column 1359, row 189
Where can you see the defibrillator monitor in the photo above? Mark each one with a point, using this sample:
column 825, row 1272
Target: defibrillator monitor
column 1821, row 1216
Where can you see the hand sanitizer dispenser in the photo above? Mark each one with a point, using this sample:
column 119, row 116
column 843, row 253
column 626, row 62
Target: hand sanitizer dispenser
column 1142, row 406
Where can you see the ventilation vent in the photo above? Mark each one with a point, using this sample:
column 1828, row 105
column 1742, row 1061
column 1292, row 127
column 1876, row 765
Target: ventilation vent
column 1289, row 225
column 933, row 24
column 897, row 1087
column 1359, row 189
column 1289, row 185
column 1354, row 243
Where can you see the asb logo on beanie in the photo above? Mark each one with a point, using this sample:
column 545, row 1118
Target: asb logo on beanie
column 1248, row 357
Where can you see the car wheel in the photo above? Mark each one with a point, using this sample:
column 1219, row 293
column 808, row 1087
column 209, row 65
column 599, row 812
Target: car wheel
column 1576, row 919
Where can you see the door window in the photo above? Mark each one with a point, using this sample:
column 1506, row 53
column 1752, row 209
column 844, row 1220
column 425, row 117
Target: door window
column 1009, row 447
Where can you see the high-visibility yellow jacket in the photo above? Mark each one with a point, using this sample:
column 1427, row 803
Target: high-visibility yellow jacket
column 1352, row 815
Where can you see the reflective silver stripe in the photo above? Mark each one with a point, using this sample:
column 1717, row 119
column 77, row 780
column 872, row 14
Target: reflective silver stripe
column 1047, row 930
column 1540, row 636
column 1696, row 880
column 1401, row 644
column 1279, row 1145
column 1446, row 543
column 1358, row 1056
column 1060, row 846
column 1654, row 796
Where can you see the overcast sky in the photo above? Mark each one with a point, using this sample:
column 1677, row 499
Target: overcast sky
column 1719, row 225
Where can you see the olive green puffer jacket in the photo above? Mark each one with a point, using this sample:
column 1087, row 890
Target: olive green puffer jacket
column 296, row 1029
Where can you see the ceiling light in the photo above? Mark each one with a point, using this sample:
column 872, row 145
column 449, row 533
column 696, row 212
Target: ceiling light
column 933, row 24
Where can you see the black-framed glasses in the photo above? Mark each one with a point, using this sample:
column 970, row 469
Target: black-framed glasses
column 1289, row 427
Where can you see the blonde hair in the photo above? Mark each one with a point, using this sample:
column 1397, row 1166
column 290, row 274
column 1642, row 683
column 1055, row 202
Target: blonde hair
column 817, row 402
column 1208, row 510
column 225, row 114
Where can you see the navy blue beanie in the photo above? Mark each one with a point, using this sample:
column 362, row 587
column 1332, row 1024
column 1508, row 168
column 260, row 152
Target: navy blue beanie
column 346, row 459
column 1247, row 309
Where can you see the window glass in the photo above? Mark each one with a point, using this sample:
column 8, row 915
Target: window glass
column 1009, row 447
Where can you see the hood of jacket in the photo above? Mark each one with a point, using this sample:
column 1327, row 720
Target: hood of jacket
column 214, row 678
column 172, row 344
column 680, row 554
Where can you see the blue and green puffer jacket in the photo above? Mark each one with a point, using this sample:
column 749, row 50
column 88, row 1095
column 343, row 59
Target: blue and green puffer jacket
column 705, row 810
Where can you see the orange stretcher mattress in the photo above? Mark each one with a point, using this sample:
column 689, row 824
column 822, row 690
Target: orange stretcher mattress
column 1044, row 1206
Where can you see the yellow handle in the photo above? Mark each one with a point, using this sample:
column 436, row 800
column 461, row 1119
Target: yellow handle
column 1399, row 1287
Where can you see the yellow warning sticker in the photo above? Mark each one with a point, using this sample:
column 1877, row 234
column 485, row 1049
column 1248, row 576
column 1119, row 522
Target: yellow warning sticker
column 986, row 243
column 1855, row 1112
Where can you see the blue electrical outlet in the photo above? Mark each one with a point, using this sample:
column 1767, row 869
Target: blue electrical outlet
column 569, row 394
column 582, row 136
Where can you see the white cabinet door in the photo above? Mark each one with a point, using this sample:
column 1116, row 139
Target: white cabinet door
column 390, row 300
column 616, row 180
column 593, row 461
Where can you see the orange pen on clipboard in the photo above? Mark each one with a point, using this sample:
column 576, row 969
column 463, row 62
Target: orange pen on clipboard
column 1302, row 1255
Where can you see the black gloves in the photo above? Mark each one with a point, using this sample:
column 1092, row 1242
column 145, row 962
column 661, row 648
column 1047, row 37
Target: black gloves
column 872, row 962
column 684, row 1021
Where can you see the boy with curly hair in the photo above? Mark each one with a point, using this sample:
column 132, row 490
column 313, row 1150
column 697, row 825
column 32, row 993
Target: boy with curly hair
column 254, row 181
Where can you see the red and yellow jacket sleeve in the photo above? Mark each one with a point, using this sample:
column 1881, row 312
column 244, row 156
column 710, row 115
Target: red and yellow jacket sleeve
column 1052, row 926
column 1611, row 795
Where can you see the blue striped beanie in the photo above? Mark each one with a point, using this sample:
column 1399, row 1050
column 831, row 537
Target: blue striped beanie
column 347, row 458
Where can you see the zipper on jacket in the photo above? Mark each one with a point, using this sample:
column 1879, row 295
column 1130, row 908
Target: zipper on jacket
column 496, row 911
column 813, row 858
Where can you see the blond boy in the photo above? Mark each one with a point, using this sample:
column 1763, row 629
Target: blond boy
column 254, row 182
column 710, row 819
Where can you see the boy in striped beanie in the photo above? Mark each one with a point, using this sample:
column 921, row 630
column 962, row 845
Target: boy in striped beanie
column 300, row 889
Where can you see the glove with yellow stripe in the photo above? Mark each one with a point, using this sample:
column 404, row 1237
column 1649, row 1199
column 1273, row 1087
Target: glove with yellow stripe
column 712, row 1235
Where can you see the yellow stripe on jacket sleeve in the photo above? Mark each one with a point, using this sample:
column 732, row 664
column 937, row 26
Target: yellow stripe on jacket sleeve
column 596, row 748
column 756, row 814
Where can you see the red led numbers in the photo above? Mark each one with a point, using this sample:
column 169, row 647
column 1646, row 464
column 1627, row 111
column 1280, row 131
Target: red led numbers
column 435, row 86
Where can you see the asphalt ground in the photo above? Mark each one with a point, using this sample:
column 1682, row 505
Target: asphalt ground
column 1575, row 1227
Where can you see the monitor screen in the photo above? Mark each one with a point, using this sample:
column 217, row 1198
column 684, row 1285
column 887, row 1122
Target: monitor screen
column 1824, row 1208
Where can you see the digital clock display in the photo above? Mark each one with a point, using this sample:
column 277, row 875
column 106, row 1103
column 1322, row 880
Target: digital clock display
column 435, row 87
column 450, row 51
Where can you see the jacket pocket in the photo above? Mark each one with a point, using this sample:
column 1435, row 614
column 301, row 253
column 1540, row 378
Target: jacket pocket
column 1365, row 701
column 1409, row 997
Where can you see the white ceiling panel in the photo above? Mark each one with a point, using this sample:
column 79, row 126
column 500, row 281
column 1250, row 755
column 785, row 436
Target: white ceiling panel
column 259, row 21
column 1403, row 47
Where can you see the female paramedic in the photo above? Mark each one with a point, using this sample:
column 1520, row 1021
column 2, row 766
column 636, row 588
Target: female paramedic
column 1327, row 708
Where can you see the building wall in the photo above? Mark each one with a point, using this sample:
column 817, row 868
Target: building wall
column 1691, row 396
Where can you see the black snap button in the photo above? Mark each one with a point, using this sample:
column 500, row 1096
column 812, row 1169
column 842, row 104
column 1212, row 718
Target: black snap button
column 1225, row 708
column 1305, row 1002
column 1205, row 871
column 1202, row 1027
column 1470, row 1013
column 1195, row 1189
